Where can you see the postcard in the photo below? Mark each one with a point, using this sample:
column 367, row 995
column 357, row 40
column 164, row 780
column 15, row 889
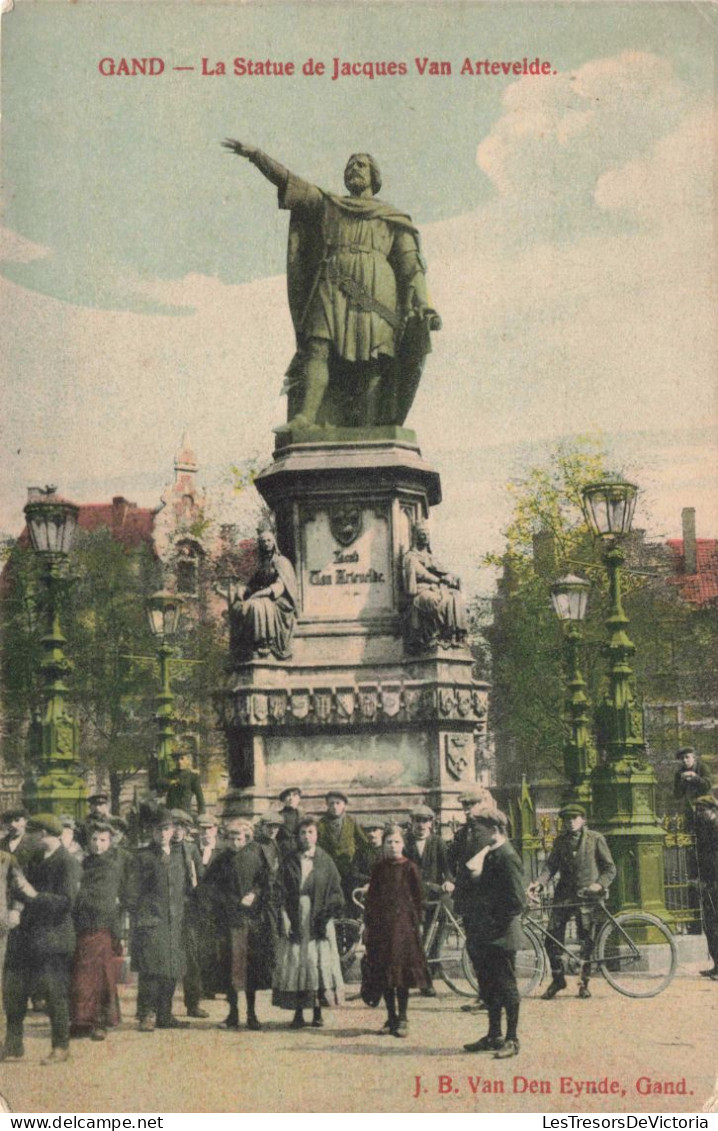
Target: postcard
column 547, row 179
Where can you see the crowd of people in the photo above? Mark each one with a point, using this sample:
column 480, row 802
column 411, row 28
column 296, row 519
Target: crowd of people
column 228, row 906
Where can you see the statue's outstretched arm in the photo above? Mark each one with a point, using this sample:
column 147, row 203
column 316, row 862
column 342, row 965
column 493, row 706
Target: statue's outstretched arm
column 268, row 167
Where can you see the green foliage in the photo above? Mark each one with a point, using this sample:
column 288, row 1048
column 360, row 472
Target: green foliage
column 115, row 675
column 547, row 538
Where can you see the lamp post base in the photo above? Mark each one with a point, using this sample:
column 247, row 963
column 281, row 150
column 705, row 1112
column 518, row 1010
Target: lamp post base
column 57, row 790
column 624, row 811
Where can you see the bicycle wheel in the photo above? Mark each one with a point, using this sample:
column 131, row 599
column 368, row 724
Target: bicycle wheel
column 348, row 932
column 530, row 961
column 637, row 954
column 453, row 966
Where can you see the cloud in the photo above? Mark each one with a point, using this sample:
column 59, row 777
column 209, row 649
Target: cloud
column 579, row 299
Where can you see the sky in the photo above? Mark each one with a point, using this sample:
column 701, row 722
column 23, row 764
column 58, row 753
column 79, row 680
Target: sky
column 566, row 219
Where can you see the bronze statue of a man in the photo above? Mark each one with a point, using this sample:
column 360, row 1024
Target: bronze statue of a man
column 357, row 296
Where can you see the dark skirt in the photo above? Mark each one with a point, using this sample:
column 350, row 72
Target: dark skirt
column 93, row 992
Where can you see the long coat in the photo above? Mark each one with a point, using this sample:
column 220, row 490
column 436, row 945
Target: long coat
column 393, row 934
column 588, row 863
column 245, row 937
column 157, row 906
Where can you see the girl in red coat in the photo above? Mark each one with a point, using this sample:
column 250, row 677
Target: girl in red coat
column 395, row 956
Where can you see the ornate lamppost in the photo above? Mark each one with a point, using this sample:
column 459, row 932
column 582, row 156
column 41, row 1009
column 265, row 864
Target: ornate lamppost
column 163, row 611
column 55, row 785
column 569, row 597
column 624, row 784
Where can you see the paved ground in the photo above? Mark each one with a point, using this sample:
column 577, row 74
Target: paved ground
column 612, row 1041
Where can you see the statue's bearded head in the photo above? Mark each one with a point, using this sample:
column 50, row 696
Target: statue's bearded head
column 362, row 173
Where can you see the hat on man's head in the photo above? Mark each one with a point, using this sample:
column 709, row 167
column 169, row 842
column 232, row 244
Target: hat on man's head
column 472, row 796
column 206, row 821
column 370, row 823
column 179, row 817
column 707, row 800
column 685, row 750
column 98, row 799
column 493, row 816
column 572, row 811
column 14, row 814
column 161, row 817
column 290, row 789
column 423, row 813
column 46, row 823
column 271, row 818
column 336, row 793
column 67, row 821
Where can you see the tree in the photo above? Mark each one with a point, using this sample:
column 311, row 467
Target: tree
column 547, row 538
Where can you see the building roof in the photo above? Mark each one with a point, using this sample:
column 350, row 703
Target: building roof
column 699, row 588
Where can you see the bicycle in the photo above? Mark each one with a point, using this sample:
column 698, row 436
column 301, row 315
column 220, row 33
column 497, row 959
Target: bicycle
column 634, row 951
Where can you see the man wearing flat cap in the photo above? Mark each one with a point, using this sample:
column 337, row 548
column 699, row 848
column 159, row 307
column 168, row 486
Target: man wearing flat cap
column 291, row 814
column 692, row 779
column 182, row 785
column 585, row 868
column 341, row 836
column 429, row 852
column 156, row 900
column 706, row 828
column 18, row 841
column 42, row 947
column 369, row 854
column 194, row 870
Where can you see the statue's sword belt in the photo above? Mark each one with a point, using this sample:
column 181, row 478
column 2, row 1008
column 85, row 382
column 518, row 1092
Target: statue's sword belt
column 360, row 295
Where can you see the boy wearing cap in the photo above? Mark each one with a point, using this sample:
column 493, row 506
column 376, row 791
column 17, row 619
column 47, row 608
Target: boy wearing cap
column 42, row 947
column 194, row 870
column 691, row 780
column 493, row 904
column 369, row 854
column 583, row 862
column 431, row 855
column 340, row 836
column 18, row 841
column 291, row 814
column 157, row 904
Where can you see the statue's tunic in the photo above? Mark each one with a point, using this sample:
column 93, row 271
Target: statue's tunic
column 351, row 261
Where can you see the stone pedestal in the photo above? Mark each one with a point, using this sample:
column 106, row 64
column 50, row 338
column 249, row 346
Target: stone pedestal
column 354, row 707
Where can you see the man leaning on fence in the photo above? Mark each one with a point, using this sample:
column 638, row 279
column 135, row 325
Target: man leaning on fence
column 585, row 868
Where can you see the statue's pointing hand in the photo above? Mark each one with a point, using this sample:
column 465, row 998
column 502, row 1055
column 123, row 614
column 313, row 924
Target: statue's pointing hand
column 239, row 147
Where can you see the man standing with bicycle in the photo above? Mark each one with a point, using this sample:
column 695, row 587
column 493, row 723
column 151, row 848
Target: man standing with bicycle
column 585, row 868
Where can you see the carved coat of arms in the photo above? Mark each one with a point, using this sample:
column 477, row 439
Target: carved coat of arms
column 323, row 705
column 345, row 523
column 301, row 703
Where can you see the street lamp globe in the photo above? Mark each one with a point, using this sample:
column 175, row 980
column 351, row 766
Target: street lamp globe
column 163, row 611
column 608, row 506
column 51, row 521
column 569, row 597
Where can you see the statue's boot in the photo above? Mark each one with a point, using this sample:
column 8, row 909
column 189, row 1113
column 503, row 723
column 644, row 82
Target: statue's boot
column 316, row 379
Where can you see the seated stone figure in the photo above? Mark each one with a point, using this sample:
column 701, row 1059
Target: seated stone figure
column 262, row 615
column 436, row 614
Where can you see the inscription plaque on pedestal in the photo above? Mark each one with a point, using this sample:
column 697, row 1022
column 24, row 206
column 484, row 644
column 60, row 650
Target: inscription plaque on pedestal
column 346, row 578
